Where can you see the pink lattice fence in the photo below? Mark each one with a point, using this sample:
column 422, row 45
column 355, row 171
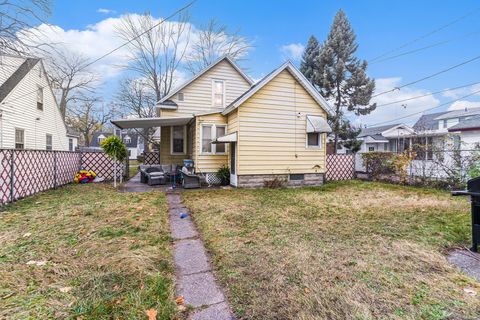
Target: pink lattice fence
column 26, row 172
column 340, row 167
column 151, row 158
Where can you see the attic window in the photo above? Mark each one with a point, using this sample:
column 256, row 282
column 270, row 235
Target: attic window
column 39, row 98
column 180, row 96
column 218, row 93
column 127, row 140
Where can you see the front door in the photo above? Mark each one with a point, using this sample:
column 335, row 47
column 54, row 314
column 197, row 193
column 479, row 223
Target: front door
column 233, row 163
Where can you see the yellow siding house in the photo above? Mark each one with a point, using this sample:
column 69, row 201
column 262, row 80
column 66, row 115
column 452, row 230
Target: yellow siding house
column 275, row 128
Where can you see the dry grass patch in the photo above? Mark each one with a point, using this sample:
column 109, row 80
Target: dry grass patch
column 350, row 250
column 86, row 252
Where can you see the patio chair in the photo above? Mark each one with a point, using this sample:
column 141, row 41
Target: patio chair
column 190, row 180
column 155, row 176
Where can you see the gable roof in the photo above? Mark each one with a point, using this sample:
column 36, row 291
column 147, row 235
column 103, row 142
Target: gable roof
column 375, row 131
column 469, row 124
column 16, row 77
column 295, row 73
column 201, row 73
column 428, row 121
column 459, row 113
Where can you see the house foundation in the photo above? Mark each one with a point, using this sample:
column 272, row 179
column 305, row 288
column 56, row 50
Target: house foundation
column 289, row 180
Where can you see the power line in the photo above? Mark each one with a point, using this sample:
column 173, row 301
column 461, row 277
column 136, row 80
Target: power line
column 428, row 94
column 424, row 48
column 428, row 77
column 426, row 35
column 429, row 109
column 121, row 46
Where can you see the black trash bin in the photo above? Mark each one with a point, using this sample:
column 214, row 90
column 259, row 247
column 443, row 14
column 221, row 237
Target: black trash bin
column 473, row 190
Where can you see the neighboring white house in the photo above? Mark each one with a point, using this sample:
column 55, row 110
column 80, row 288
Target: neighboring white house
column 433, row 136
column 133, row 142
column 29, row 115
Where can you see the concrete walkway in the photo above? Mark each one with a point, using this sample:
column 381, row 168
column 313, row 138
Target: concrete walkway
column 134, row 185
column 195, row 280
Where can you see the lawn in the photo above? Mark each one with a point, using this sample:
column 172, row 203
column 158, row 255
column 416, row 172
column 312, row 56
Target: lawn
column 133, row 167
column 86, row 252
column 351, row 250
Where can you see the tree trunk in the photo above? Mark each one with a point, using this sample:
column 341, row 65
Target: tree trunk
column 336, row 124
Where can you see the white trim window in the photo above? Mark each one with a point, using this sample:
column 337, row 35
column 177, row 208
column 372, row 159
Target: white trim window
column 70, row 144
column 49, row 142
column 314, row 140
column 210, row 132
column 127, row 140
column 181, row 96
column 178, row 139
column 39, row 98
column 19, row 138
column 218, row 93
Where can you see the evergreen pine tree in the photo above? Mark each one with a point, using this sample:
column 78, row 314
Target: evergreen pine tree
column 309, row 57
column 340, row 76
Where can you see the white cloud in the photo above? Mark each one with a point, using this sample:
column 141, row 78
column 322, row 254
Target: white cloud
column 462, row 104
column 91, row 43
column 393, row 111
column 97, row 39
column 105, row 11
column 455, row 94
column 292, row 51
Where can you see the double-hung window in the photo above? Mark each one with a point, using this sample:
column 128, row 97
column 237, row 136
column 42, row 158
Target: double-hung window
column 218, row 93
column 70, row 144
column 313, row 140
column 49, row 142
column 177, row 139
column 211, row 132
column 19, row 139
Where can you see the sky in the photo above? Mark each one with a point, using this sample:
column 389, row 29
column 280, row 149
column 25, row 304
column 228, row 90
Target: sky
column 280, row 29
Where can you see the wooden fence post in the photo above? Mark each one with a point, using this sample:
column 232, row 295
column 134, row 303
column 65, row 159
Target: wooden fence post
column 12, row 176
column 55, row 169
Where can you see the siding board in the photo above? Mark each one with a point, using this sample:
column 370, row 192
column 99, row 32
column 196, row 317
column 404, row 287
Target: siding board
column 272, row 130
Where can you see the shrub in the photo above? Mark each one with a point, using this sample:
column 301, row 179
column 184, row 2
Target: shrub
column 224, row 174
column 114, row 147
column 400, row 163
column 378, row 163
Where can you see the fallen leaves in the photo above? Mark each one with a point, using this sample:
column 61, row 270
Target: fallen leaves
column 179, row 300
column 471, row 292
column 151, row 314
column 65, row 289
column 37, row 263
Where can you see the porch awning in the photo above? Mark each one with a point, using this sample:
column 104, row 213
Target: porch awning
column 232, row 137
column 317, row 124
column 151, row 122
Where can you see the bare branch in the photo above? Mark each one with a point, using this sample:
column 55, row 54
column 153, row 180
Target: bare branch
column 214, row 41
column 156, row 53
column 17, row 18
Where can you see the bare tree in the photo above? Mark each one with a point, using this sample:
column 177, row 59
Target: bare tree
column 156, row 52
column 17, row 17
column 135, row 97
column 213, row 41
column 70, row 79
column 88, row 115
